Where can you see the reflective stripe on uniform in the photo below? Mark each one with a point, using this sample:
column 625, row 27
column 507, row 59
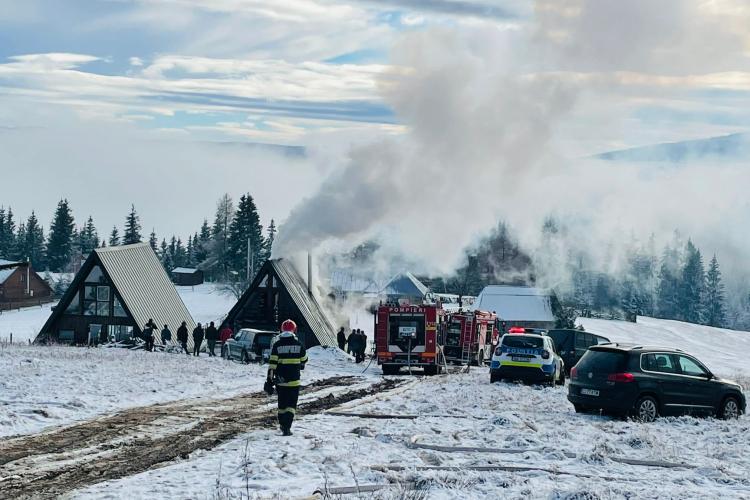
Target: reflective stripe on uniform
column 293, row 411
column 303, row 359
column 274, row 357
column 293, row 383
column 291, row 361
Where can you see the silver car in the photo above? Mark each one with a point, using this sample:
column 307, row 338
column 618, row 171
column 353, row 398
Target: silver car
column 248, row 346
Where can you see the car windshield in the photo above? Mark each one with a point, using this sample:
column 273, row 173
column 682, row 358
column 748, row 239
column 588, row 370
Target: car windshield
column 602, row 361
column 523, row 341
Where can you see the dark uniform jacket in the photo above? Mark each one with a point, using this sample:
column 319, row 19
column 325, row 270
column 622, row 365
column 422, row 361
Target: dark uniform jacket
column 212, row 333
column 198, row 334
column 288, row 357
column 182, row 334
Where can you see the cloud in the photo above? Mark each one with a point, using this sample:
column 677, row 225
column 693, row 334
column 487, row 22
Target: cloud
column 482, row 9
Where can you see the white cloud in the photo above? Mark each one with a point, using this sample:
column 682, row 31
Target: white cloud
column 136, row 61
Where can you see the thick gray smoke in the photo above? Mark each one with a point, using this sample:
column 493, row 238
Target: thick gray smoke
column 476, row 133
column 491, row 116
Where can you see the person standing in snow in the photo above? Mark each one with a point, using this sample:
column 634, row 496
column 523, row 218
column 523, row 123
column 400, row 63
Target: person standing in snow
column 197, row 339
column 212, row 335
column 288, row 358
column 352, row 338
column 341, row 338
column 148, row 334
column 361, row 346
column 166, row 336
column 225, row 334
column 182, row 337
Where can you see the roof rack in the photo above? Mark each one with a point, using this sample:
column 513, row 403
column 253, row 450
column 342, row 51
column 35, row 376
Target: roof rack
column 657, row 347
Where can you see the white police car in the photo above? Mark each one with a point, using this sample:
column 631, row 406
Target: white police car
column 530, row 357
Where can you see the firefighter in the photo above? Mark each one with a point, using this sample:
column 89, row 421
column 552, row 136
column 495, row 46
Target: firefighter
column 288, row 358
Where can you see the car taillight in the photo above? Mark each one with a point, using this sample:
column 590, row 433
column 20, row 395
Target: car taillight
column 574, row 373
column 621, row 377
column 545, row 354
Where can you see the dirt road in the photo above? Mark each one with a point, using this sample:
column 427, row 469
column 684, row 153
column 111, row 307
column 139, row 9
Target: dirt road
column 52, row 463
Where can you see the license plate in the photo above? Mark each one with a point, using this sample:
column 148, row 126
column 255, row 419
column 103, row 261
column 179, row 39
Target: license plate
column 589, row 392
column 518, row 358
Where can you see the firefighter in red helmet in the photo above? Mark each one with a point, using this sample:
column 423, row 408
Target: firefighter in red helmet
column 288, row 358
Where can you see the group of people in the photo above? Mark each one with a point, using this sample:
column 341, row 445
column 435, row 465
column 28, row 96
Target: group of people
column 211, row 335
column 357, row 342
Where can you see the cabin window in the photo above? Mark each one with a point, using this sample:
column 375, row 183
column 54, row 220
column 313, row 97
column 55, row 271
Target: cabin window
column 96, row 276
column 120, row 332
column 96, row 300
column 118, row 309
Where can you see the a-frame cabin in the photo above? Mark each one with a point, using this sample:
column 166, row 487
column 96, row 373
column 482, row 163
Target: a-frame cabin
column 278, row 293
column 117, row 290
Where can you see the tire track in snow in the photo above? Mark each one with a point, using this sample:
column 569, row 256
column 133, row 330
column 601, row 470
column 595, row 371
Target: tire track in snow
column 53, row 463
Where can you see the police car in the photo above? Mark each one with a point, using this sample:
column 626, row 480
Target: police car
column 527, row 355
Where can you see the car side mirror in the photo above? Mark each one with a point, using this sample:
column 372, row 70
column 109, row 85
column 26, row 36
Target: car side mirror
column 709, row 376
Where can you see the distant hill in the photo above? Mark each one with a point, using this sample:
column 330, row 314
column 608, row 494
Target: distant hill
column 733, row 146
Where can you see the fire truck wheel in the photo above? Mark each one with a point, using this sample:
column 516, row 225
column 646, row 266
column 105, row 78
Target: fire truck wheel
column 391, row 369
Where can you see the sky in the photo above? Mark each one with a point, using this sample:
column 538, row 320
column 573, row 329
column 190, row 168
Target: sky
column 162, row 103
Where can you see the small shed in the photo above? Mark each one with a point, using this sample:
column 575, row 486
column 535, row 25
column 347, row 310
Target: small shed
column 187, row 276
column 278, row 293
column 21, row 286
column 521, row 306
column 117, row 290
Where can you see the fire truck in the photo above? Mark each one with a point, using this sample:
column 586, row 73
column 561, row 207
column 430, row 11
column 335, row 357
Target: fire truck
column 407, row 336
column 470, row 337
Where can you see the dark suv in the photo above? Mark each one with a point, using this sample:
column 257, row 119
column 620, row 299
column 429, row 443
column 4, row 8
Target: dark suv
column 646, row 382
column 572, row 344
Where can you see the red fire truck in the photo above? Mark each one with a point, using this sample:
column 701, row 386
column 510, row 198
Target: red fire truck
column 470, row 337
column 408, row 336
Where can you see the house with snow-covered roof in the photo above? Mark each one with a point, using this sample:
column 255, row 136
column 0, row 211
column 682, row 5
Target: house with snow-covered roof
column 21, row 286
column 521, row 306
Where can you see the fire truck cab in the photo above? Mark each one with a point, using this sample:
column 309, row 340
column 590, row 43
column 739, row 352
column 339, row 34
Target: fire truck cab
column 470, row 337
column 408, row 336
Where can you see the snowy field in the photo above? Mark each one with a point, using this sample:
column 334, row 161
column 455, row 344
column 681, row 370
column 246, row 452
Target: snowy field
column 719, row 349
column 565, row 456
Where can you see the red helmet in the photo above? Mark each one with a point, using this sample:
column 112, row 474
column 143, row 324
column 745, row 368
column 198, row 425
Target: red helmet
column 289, row 326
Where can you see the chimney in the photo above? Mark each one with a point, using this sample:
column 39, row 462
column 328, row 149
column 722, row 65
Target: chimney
column 309, row 273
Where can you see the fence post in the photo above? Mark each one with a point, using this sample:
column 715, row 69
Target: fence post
column 11, row 337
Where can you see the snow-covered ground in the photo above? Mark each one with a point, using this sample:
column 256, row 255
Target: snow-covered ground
column 458, row 411
column 45, row 386
column 24, row 324
column 721, row 350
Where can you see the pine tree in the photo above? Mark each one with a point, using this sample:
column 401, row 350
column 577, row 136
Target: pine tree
column 692, row 286
column 60, row 242
column 201, row 243
column 153, row 241
column 190, row 257
column 132, row 232
column 246, row 227
column 114, row 237
column 88, row 237
column 180, row 254
column 271, row 235
column 18, row 251
column 667, row 292
column 714, row 300
column 34, row 243
column 219, row 257
column 166, row 257
column 8, row 247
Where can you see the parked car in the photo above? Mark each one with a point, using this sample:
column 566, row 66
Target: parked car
column 572, row 344
column 249, row 345
column 646, row 382
column 528, row 357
